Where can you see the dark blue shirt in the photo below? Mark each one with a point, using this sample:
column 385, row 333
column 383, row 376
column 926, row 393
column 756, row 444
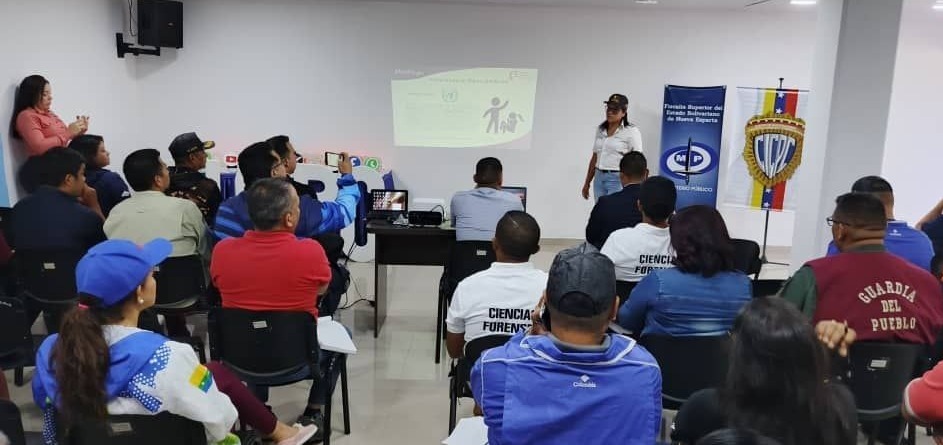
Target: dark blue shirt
column 109, row 186
column 905, row 242
column 51, row 219
column 613, row 212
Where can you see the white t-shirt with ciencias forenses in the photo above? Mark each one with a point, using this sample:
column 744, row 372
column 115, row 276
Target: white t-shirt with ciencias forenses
column 638, row 250
column 498, row 300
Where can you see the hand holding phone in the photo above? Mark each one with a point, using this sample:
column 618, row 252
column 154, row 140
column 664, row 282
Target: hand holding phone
column 344, row 166
column 331, row 159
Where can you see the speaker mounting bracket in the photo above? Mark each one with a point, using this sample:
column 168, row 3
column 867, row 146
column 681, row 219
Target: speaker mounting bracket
column 126, row 48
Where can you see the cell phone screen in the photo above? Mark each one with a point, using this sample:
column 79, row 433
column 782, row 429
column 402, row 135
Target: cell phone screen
column 331, row 159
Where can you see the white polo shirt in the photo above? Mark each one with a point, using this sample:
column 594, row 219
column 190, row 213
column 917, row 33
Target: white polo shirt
column 498, row 300
column 638, row 250
column 610, row 149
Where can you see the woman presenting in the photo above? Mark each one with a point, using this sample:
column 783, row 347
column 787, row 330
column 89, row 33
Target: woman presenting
column 614, row 138
column 35, row 124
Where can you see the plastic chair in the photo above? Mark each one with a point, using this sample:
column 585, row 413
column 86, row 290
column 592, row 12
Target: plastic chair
column 465, row 259
column 158, row 429
column 47, row 280
column 274, row 348
column 181, row 285
column 688, row 364
column 460, row 374
column 766, row 288
column 877, row 376
column 747, row 256
column 624, row 289
column 16, row 342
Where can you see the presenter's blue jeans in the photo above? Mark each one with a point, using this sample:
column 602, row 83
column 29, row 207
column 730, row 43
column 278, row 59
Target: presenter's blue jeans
column 606, row 183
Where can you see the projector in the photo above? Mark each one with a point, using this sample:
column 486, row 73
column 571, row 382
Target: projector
column 422, row 218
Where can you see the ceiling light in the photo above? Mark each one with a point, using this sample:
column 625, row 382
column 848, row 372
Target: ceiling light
column 802, row 2
column 938, row 6
column 647, row 2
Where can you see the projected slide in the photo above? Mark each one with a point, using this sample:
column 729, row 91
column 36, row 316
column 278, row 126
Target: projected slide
column 476, row 107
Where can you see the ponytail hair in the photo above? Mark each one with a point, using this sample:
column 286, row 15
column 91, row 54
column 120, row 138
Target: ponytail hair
column 80, row 359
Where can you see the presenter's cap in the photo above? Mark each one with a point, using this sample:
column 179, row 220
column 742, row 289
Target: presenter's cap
column 111, row 270
column 582, row 282
column 617, row 100
column 187, row 143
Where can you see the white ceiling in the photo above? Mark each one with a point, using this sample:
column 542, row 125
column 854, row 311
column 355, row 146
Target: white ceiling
column 716, row 5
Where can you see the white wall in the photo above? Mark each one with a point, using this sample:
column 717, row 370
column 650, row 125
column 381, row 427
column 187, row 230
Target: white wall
column 914, row 146
column 319, row 71
column 73, row 46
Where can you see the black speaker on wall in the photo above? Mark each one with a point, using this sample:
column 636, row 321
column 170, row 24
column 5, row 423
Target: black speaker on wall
column 160, row 23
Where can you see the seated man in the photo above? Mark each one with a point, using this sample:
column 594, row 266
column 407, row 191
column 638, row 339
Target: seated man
column 108, row 185
column 499, row 300
column 880, row 295
column 574, row 384
column 638, row 250
column 186, row 181
column 269, row 269
column 475, row 213
column 150, row 214
column 286, row 151
column 259, row 161
column 900, row 239
column 620, row 209
column 52, row 217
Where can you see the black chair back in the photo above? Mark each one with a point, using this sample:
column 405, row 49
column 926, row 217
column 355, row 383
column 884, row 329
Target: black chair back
column 181, row 282
column 878, row 374
column 360, row 222
column 6, row 224
column 747, row 256
column 468, row 258
column 11, row 423
column 264, row 344
column 624, row 289
column 16, row 343
column 159, row 429
column 688, row 364
column 48, row 276
column 473, row 350
column 766, row 288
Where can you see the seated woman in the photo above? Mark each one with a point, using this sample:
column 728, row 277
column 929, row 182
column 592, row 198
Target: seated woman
column 108, row 185
column 777, row 383
column 100, row 363
column 702, row 294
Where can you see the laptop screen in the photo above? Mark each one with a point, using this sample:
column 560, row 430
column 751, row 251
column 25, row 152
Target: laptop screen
column 521, row 192
column 390, row 200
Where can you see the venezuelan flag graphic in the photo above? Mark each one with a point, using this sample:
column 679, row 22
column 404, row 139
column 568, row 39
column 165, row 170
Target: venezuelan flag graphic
column 201, row 378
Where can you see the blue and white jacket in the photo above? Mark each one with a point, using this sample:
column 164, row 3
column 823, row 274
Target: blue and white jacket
column 533, row 390
column 317, row 217
column 148, row 374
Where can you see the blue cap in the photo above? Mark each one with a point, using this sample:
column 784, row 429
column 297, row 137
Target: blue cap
column 111, row 270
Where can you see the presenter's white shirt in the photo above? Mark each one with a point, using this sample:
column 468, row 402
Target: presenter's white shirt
column 610, row 149
column 638, row 250
column 498, row 300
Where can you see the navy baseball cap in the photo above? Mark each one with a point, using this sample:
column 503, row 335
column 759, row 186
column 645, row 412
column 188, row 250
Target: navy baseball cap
column 581, row 282
column 111, row 270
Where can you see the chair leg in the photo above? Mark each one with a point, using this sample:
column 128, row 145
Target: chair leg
column 345, row 402
column 18, row 376
column 439, row 331
column 873, row 433
column 453, row 402
column 328, row 405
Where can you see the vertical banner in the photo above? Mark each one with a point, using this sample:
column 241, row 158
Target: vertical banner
column 769, row 138
column 692, row 123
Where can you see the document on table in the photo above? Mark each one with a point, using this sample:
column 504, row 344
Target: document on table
column 332, row 336
column 469, row 431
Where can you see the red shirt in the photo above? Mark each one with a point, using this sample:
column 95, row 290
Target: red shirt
column 270, row 271
column 882, row 296
column 41, row 130
column 922, row 398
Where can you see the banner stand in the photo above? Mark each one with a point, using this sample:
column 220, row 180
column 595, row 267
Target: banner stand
column 763, row 258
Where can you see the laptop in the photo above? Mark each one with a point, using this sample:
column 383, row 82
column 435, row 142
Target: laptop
column 387, row 204
column 521, row 192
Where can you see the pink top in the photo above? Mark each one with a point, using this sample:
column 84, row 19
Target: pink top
column 42, row 130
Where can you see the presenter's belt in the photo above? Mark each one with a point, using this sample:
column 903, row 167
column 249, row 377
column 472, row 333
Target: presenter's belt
column 607, row 171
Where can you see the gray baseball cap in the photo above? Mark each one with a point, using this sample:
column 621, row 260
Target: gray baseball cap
column 582, row 282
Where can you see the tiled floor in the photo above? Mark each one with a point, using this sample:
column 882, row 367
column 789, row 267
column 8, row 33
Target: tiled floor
column 398, row 394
